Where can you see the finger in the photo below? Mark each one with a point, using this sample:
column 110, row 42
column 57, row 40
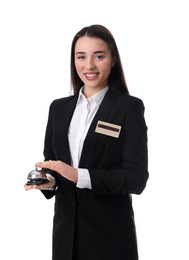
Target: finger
column 40, row 164
column 27, row 187
column 39, row 187
column 46, row 164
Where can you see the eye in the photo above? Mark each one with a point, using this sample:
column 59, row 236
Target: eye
column 99, row 57
column 80, row 57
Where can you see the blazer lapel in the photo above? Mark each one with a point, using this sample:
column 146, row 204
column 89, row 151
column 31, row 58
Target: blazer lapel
column 92, row 137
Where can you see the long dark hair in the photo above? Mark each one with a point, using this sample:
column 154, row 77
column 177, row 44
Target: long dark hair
column 116, row 78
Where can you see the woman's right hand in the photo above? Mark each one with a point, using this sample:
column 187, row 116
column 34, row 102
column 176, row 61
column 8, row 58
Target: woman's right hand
column 40, row 186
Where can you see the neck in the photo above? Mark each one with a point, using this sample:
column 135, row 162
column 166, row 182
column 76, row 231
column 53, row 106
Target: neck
column 88, row 92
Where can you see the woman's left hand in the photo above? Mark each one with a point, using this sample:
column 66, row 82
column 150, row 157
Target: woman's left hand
column 62, row 168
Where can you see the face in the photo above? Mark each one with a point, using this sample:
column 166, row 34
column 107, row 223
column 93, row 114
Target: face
column 93, row 62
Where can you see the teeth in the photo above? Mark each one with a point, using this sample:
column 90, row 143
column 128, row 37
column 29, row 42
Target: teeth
column 91, row 75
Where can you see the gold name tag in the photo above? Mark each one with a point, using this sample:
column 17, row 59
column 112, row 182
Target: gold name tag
column 108, row 129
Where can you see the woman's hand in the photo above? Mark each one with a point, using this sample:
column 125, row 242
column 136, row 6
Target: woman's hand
column 40, row 186
column 62, row 168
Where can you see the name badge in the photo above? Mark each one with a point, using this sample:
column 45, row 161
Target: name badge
column 108, row 129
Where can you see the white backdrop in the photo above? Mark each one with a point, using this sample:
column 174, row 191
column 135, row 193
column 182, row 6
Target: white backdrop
column 153, row 39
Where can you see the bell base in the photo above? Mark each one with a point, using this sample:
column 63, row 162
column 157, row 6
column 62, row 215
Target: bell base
column 37, row 182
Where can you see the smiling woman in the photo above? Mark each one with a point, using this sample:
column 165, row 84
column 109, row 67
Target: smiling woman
column 95, row 155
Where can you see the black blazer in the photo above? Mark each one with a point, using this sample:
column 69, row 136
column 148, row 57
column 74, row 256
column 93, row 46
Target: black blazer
column 98, row 224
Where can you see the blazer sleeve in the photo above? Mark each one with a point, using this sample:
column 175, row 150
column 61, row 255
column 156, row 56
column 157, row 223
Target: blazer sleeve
column 131, row 172
column 49, row 153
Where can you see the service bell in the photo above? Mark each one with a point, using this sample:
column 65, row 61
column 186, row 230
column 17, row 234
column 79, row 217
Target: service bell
column 36, row 177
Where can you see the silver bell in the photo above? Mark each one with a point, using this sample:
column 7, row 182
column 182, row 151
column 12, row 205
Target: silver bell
column 36, row 177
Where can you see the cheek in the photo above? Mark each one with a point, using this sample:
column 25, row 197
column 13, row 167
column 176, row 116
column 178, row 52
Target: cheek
column 106, row 67
column 79, row 70
column 107, row 71
column 78, row 67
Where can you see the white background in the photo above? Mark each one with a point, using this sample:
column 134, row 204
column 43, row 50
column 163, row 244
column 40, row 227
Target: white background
column 153, row 39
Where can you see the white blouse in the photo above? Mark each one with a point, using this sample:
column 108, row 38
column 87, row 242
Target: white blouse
column 84, row 113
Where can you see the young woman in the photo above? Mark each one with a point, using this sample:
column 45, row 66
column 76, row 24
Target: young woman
column 95, row 155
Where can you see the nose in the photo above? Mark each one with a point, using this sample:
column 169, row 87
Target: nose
column 90, row 65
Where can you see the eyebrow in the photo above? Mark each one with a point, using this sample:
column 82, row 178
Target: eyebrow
column 95, row 52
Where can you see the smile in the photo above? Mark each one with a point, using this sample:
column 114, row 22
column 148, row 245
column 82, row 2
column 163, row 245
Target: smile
column 91, row 76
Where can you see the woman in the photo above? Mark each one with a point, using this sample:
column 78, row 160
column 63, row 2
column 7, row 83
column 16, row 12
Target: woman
column 95, row 155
